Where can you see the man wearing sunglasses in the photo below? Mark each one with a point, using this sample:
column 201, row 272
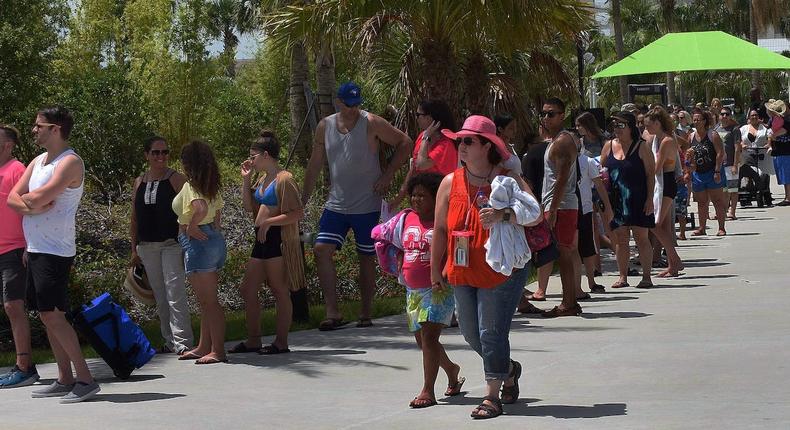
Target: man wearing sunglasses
column 560, row 203
column 47, row 196
column 12, row 269
column 349, row 141
column 730, row 134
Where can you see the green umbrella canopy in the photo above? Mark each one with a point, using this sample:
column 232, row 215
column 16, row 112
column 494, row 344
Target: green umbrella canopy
column 706, row 50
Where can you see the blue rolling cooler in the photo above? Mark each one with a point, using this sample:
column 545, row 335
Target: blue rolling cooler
column 115, row 337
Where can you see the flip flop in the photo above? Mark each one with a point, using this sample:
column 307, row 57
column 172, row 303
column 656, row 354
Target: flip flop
column 242, row 348
column 644, row 284
column 597, row 288
column 532, row 298
column 330, row 324
column 189, row 356
column 212, row 361
column 620, row 284
column 454, row 390
column 365, row 322
column 585, row 296
column 424, row 403
column 667, row 274
column 272, row 349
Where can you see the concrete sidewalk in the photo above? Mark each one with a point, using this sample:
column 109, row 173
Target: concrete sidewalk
column 707, row 350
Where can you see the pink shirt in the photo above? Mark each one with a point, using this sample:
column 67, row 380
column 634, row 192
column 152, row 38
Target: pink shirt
column 11, row 235
column 443, row 154
column 417, row 238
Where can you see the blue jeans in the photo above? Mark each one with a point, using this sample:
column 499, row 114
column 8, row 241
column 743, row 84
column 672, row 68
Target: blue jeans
column 203, row 255
column 484, row 316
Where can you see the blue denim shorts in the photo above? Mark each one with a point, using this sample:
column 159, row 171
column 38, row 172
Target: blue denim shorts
column 203, row 255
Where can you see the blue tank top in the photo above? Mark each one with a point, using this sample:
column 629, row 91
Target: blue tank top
column 267, row 197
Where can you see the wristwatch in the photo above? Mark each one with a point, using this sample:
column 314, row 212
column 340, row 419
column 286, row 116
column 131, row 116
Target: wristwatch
column 506, row 216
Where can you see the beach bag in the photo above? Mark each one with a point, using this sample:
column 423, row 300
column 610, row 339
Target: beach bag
column 115, row 337
column 388, row 246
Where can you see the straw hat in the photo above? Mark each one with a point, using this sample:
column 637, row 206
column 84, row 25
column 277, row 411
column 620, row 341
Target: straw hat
column 137, row 283
column 777, row 107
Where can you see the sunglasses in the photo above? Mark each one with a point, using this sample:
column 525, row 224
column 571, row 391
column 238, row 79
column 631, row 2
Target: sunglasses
column 618, row 124
column 419, row 114
column 549, row 113
column 158, row 152
column 724, row 114
column 468, row 141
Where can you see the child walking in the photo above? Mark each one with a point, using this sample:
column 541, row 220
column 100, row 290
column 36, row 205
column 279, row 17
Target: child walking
column 407, row 237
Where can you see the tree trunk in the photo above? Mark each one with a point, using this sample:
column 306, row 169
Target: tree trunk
column 671, row 88
column 753, row 38
column 440, row 78
column 325, row 79
column 617, row 24
column 300, row 70
column 476, row 83
column 230, row 42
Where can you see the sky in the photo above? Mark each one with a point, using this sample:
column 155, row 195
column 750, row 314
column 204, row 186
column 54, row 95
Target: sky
column 248, row 45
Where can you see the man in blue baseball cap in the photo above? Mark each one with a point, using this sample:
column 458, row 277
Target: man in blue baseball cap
column 350, row 94
column 350, row 141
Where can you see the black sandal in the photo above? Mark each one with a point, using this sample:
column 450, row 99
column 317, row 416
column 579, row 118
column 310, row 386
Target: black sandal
column 242, row 348
column 273, row 349
column 490, row 411
column 512, row 391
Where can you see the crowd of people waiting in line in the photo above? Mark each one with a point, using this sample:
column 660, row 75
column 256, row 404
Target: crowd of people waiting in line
column 479, row 218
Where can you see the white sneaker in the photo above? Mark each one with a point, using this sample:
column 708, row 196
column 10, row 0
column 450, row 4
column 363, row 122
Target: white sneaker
column 81, row 392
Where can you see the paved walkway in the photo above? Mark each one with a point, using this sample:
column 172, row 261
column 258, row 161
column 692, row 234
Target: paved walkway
column 707, row 350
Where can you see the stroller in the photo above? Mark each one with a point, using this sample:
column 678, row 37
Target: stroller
column 755, row 185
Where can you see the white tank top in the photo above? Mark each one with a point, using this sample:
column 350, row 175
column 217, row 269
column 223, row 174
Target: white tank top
column 53, row 232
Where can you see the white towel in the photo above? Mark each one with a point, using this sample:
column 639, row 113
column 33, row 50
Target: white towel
column 507, row 248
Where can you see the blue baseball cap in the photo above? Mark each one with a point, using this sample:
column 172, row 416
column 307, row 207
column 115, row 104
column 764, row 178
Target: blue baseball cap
column 350, row 94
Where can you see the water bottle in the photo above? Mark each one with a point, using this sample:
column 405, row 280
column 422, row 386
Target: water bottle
column 481, row 200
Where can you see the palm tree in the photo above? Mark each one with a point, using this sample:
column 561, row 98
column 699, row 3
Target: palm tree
column 443, row 48
column 668, row 15
column 227, row 18
column 617, row 25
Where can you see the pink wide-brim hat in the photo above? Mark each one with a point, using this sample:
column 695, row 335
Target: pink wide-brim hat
column 478, row 125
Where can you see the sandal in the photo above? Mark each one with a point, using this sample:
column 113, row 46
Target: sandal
column 721, row 232
column 633, row 272
column 455, row 389
column 597, row 288
column 419, row 403
column 365, row 322
column 242, row 348
column 699, row 232
column 557, row 312
column 532, row 297
column 272, row 349
column 211, row 360
column 189, row 356
column 529, row 308
column 330, row 324
column 485, row 411
column 668, row 274
column 585, row 296
column 620, row 284
column 644, row 284
column 512, row 391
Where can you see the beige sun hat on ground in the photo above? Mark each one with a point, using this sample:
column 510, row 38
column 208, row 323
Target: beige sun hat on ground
column 137, row 282
column 776, row 106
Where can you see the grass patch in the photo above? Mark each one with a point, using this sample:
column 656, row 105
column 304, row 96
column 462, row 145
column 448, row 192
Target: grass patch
column 236, row 326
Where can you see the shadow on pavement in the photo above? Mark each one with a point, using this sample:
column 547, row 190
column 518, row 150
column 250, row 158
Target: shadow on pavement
column 743, row 234
column 523, row 408
column 704, row 264
column 666, row 286
column 594, row 315
column 707, row 277
column 308, row 362
column 608, row 299
column 597, row 410
column 135, row 397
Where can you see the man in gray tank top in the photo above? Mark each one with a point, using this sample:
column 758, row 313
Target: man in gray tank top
column 349, row 141
column 52, row 187
column 560, row 203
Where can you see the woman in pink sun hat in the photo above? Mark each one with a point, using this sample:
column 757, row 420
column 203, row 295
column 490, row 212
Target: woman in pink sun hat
column 485, row 299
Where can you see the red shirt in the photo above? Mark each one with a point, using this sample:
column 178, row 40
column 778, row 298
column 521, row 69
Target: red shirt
column 11, row 235
column 443, row 154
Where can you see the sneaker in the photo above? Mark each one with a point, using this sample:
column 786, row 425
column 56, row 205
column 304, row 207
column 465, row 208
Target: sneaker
column 18, row 378
column 81, row 392
column 56, row 389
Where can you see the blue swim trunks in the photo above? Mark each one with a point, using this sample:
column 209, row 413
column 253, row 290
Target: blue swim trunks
column 333, row 228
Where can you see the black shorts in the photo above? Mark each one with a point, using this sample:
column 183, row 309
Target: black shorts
column 586, row 239
column 272, row 247
column 12, row 275
column 47, row 282
column 670, row 185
